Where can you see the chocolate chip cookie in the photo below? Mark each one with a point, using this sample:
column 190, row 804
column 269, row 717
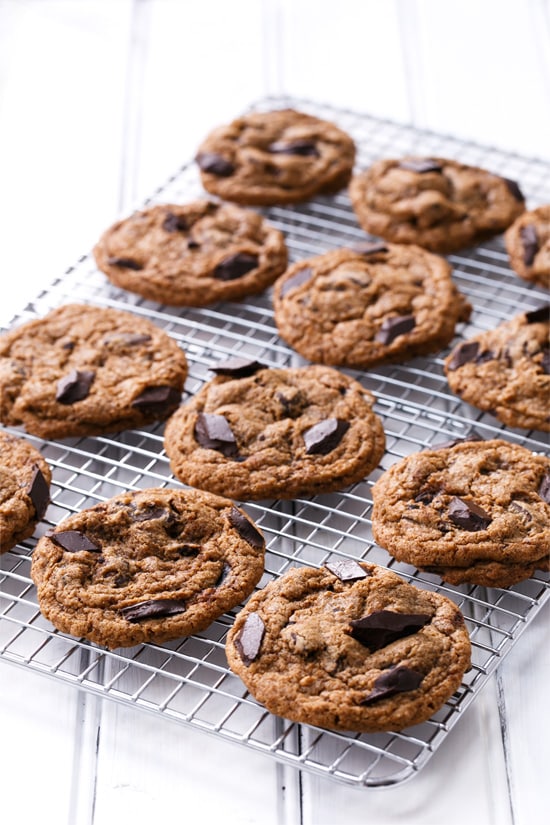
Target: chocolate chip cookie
column 375, row 304
column 254, row 432
column 147, row 566
column 353, row 647
column 84, row 370
column 276, row 157
column 474, row 511
column 25, row 479
column 506, row 370
column 437, row 203
column 194, row 254
column 528, row 245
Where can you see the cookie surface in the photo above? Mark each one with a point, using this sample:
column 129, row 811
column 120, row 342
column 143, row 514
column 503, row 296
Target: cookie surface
column 476, row 512
column 506, row 370
column 366, row 654
column 83, row 370
column 375, row 304
column 25, row 479
column 283, row 156
column 437, row 203
column 528, row 245
column 192, row 254
column 275, row 433
column 147, row 566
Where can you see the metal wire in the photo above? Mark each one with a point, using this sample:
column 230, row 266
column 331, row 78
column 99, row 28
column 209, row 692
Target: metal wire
column 188, row 680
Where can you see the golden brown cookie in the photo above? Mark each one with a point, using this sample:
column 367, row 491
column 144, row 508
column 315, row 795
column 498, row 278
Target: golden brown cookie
column 282, row 156
column 353, row 647
column 254, row 433
column 147, row 566
column 528, row 245
column 84, row 370
column 192, row 254
column 474, row 511
column 437, row 203
column 374, row 304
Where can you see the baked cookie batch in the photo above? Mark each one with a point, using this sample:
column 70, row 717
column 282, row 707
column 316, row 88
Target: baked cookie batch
column 349, row 646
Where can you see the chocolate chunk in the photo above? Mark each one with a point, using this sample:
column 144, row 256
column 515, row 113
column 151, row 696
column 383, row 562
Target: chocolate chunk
column 74, row 541
column 125, row 263
column 468, row 515
column 245, row 528
column 545, row 360
column 369, row 248
column 301, row 277
column 487, row 355
column 463, row 353
column 383, row 627
column 392, row 681
column 514, row 189
column 129, row 339
column 75, row 386
column 517, row 508
column 539, row 315
column 325, row 436
column 544, row 489
column 38, row 492
column 445, row 445
column 68, row 345
column 226, row 570
column 303, row 147
column 530, row 242
column 392, row 327
column 293, row 404
column 153, row 609
column 213, row 432
column 347, row 570
column 185, row 550
column 156, row 400
column 249, row 640
column 149, row 513
column 427, row 494
column 238, row 367
column 420, row 165
column 235, row 266
column 215, row 164
column 174, row 223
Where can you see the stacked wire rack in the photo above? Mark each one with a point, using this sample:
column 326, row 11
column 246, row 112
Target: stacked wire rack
column 188, row 680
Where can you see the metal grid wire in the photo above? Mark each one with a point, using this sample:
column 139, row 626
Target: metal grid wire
column 188, row 680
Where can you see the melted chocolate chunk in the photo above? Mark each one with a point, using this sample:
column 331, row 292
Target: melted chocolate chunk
column 394, row 680
column 245, row 528
column 544, row 489
column 539, row 315
column 156, row 400
column 545, row 360
column 128, row 339
column 347, row 570
column 468, row 515
column 74, row 541
column 420, row 165
column 235, row 266
column 444, row 445
column 530, row 243
column 238, row 367
column 305, row 148
column 75, row 386
column 149, row 513
column 514, row 189
column 215, row 164
column 214, row 433
column 325, row 436
column 174, row 223
column 383, row 627
column 153, row 609
column 38, row 492
column 249, row 640
column 301, row 277
column 427, row 494
column 125, row 263
column 463, row 353
column 392, row 327
column 369, row 248
column 487, row 355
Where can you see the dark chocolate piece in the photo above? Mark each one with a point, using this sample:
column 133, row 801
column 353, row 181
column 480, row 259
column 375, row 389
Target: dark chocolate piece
column 38, row 492
column 155, row 400
column 397, row 679
column 245, row 528
column 427, row 494
column 444, row 445
column 301, row 277
column 303, row 147
column 486, row 355
column 514, row 189
column 174, row 223
column 517, row 508
column 215, row 164
column 462, row 354
column 74, row 541
column 545, row 360
column 213, row 432
column 544, row 488
column 347, row 570
column 530, row 242
column 325, row 436
column 249, row 640
column 392, row 327
column 420, row 165
column 369, row 248
column 225, row 571
column 149, row 513
column 468, row 515
column 153, row 609
column 383, row 627
column 75, row 386
column 238, row 367
column 125, row 263
column 235, row 266
column 539, row 315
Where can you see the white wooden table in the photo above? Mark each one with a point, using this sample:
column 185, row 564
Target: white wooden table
column 99, row 103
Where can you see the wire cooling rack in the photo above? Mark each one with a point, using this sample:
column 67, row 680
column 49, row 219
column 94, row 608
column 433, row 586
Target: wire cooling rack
column 188, row 680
